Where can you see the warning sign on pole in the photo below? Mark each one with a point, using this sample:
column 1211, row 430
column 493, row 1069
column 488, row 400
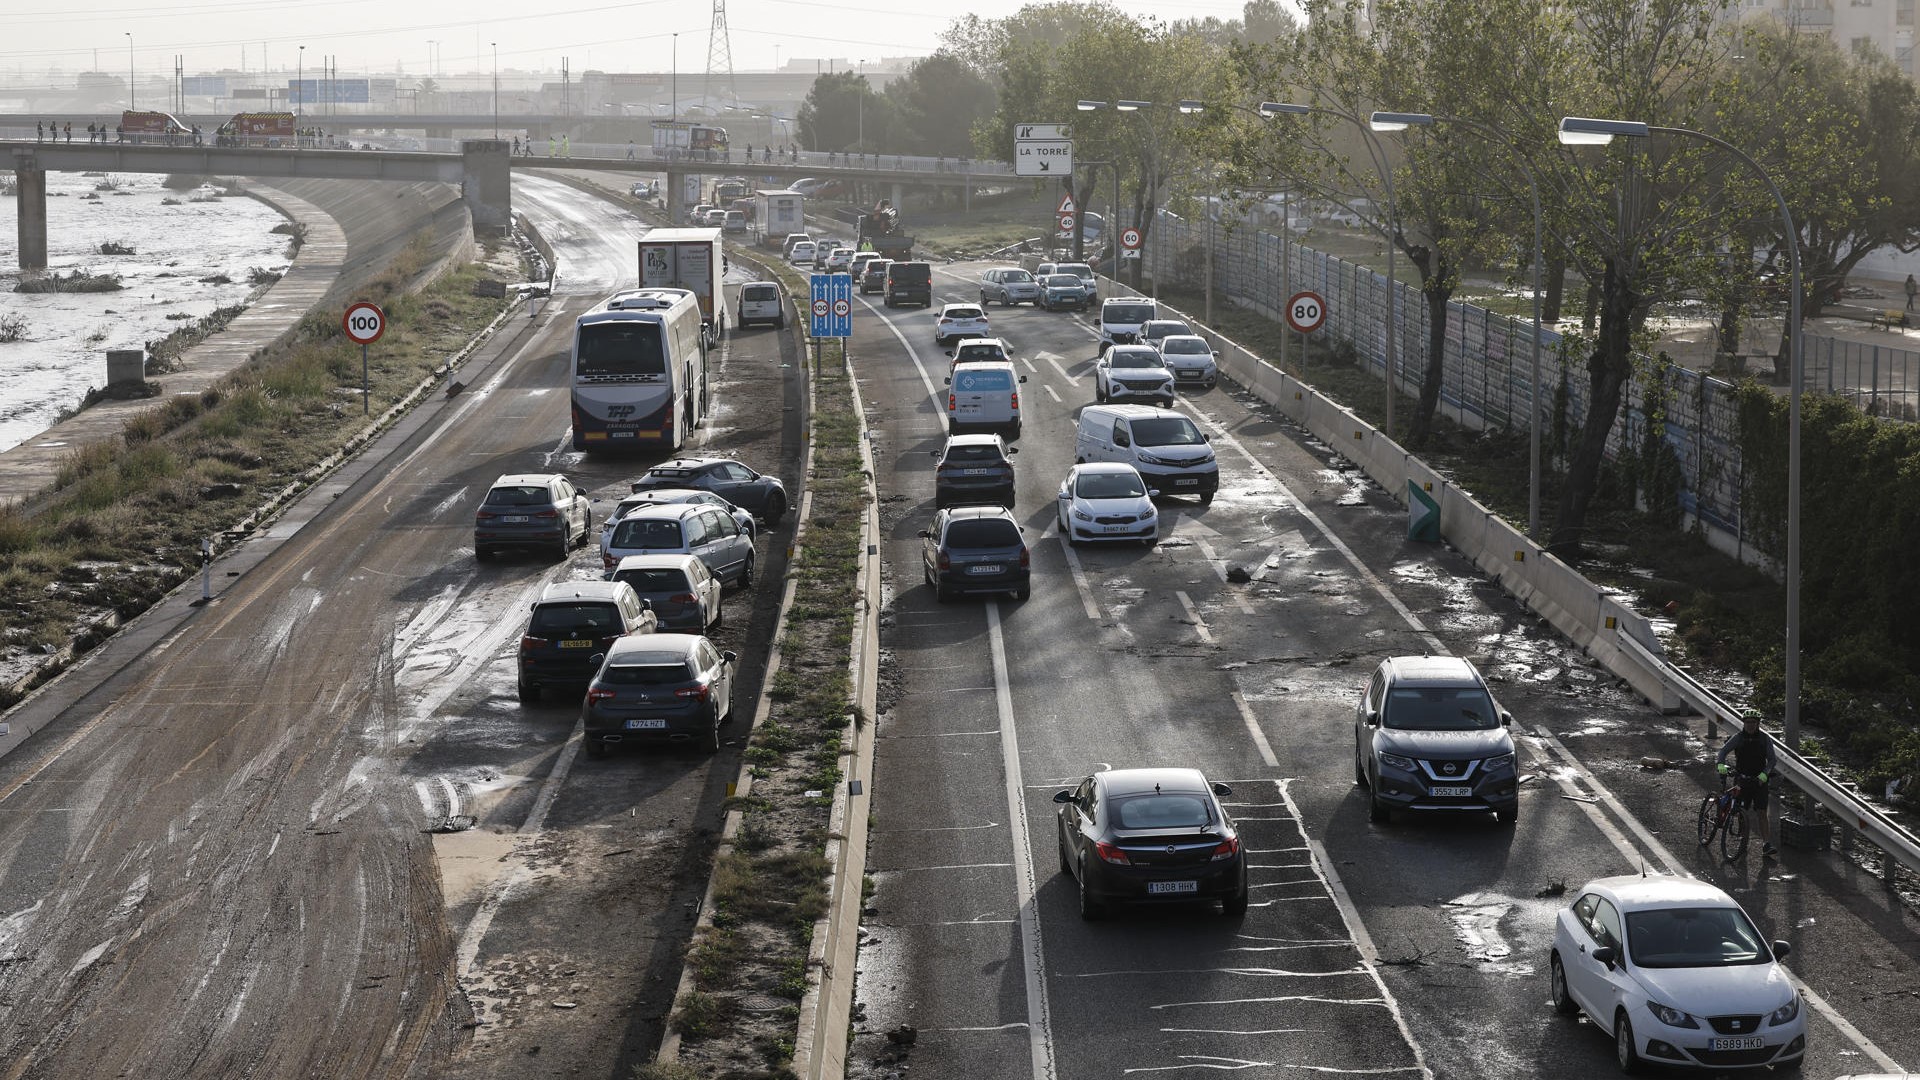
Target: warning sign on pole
column 1066, row 205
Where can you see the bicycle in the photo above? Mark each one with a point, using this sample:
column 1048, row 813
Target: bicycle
column 1724, row 814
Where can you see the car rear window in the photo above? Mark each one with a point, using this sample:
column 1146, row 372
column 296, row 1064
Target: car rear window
column 1079, row 270
column 655, row 579
column 981, row 380
column 671, row 669
column 963, row 313
column 911, row 271
column 979, row 352
column 519, row 496
column 582, row 616
column 1163, row 811
column 1061, row 281
column 759, row 292
column 983, row 533
column 1166, row 431
column 647, row 534
column 974, row 453
column 1127, row 313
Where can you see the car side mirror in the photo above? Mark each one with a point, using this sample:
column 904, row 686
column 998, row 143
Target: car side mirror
column 1063, row 796
column 1506, row 718
column 1153, row 493
column 1013, row 449
column 730, row 656
column 949, row 354
column 924, row 534
column 1205, row 438
column 646, row 605
column 1373, row 718
column 1605, row 955
column 1222, row 790
column 1216, row 352
column 1781, row 949
column 1023, row 378
column 933, row 453
column 948, row 380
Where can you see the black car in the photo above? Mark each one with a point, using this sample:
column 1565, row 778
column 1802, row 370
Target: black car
column 764, row 495
column 976, row 549
column 573, row 625
column 973, row 469
column 909, row 283
column 1150, row 836
column 662, row 689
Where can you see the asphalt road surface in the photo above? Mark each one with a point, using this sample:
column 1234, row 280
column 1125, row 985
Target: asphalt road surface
column 310, row 831
column 1416, row 948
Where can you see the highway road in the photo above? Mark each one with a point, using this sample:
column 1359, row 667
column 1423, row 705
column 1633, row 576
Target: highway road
column 1411, row 949
column 310, row 832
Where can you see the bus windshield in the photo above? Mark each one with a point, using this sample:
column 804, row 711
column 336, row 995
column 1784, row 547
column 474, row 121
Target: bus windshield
column 619, row 348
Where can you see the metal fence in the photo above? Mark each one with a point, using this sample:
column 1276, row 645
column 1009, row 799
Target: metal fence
column 1883, row 380
column 1486, row 383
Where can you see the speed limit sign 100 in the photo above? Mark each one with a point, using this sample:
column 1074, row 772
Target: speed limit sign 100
column 1306, row 312
column 364, row 323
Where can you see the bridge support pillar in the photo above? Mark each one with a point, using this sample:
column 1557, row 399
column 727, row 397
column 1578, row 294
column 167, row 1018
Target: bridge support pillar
column 899, row 196
column 487, row 184
column 675, row 198
column 31, row 182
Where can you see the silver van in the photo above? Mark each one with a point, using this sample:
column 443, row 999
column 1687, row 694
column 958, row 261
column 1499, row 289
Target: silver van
column 1121, row 320
column 984, row 394
column 1171, row 453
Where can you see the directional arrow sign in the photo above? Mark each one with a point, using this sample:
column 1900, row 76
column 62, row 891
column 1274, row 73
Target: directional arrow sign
column 1023, row 132
column 1043, row 158
column 1423, row 514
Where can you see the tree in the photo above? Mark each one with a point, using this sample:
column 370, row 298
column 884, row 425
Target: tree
column 937, row 105
column 842, row 113
column 1265, row 22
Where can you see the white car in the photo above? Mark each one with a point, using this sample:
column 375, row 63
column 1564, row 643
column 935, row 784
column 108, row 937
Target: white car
column 1132, row 373
column 1191, row 358
column 958, row 321
column 1678, row 973
column 1106, row 500
column 760, row 302
column 801, row 252
column 839, row 260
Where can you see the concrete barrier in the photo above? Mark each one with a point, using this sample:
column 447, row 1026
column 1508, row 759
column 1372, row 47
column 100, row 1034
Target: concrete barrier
column 1588, row 617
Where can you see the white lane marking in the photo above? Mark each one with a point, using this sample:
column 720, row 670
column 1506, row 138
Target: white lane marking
column 1353, row 560
column 1259, row 737
column 957, row 866
column 1015, row 1026
column 912, row 353
column 1039, row 1014
column 1634, row 858
column 1051, row 393
column 941, row 735
column 1234, row 1031
column 1080, row 579
column 1071, row 381
column 1308, row 998
column 1193, row 614
column 1363, row 941
column 948, row 828
column 1030, row 366
column 1251, row 972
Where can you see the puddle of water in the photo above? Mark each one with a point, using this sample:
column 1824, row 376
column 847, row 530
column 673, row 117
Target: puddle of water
column 469, row 861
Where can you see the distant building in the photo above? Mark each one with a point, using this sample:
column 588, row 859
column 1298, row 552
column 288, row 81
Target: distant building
column 1857, row 26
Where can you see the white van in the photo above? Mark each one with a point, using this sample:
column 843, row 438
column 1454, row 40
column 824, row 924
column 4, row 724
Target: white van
column 1121, row 318
column 760, row 302
column 1170, row 452
column 984, row 394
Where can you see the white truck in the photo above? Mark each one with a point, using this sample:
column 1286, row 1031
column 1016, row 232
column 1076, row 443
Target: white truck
column 689, row 259
column 781, row 213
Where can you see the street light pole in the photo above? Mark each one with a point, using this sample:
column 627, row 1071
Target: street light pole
column 130, row 105
column 1275, row 108
column 1391, row 121
column 299, row 81
column 1588, row 131
column 496, row 90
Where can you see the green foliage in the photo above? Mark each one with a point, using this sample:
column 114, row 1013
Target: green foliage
column 937, row 104
column 842, row 113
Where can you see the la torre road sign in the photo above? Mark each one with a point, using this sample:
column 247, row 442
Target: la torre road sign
column 832, row 305
column 1042, row 150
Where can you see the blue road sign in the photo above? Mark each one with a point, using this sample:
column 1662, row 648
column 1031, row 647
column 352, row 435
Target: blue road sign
column 832, row 305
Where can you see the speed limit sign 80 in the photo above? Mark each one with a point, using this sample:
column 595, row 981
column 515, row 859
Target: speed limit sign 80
column 1306, row 312
column 364, row 323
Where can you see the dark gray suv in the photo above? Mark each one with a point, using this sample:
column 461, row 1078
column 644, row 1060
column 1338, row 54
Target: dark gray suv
column 1428, row 737
column 973, row 469
column 976, row 549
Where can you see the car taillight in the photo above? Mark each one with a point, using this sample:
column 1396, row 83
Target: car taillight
column 1026, row 559
column 1112, row 854
column 950, row 402
column 528, row 642
column 607, row 560
column 546, row 515
column 599, row 694
column 692, row 693
column 482, row 515
column 1227, row 849
column 944, row 562
column 1015, row 399
column 683, row 598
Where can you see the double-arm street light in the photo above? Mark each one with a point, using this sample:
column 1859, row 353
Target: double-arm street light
column 1281, row 108
column 130, row 105
column 1589, row 131
column 1186, row 106
column 1393, row 121
column 496, row 89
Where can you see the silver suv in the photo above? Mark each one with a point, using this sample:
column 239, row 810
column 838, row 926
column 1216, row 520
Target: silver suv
column 1010, row 285
column 1427, row 736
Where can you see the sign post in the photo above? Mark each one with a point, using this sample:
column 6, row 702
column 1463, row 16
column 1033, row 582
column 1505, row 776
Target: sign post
column 831, row 308
column 364, row 323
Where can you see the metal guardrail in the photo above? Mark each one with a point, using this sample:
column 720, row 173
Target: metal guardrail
column 1852, row 812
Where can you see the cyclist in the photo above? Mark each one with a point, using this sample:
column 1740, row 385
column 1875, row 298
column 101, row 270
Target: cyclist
column 1753, row 761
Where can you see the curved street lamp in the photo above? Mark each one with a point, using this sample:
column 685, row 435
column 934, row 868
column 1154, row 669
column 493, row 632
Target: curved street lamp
column 1592, row 131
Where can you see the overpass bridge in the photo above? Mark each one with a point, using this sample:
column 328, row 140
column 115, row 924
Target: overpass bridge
column 481, row 167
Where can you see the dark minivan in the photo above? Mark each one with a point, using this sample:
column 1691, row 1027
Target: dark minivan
column 909, row 283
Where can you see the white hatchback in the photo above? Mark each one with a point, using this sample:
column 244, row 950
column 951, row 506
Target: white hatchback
column 958, row 321
column 801, row 252
column 1106, row 500
column 1678, row 973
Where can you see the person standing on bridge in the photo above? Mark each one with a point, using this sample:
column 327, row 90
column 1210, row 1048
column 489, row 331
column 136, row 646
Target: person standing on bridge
column 1913, row 289
column 566, row 145
column 39, row 132
column 552, row 145
column 630, row 149
column 516, row 146
column 69, row 130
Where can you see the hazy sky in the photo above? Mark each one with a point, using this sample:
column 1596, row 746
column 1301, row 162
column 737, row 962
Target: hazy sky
column 386, row 35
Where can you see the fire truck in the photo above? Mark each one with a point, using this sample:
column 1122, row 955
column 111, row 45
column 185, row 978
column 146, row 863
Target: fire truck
column 269, row 129
column 150, row 127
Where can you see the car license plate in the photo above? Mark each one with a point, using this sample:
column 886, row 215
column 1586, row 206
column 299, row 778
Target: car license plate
column 1190, row 481
column 646, row 725
column 1161, row 887
column 586, row 643
column 985, row 568
column 1744, row 1042
column 1457, row 792
column 516, row 519
column 975, row 472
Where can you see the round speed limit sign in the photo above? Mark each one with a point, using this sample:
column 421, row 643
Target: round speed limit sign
column 820, row 308
column 1306, row 312
column 364, row 323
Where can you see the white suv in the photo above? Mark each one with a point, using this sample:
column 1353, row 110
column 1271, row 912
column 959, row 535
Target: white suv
column 1131, row 373
column 959, row 321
